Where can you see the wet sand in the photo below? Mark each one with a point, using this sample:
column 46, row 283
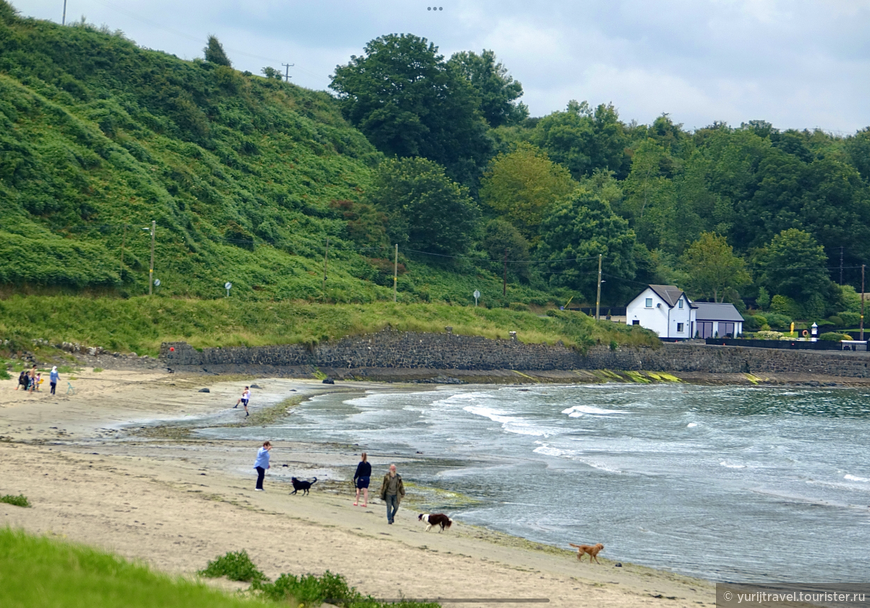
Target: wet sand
column 175, row 500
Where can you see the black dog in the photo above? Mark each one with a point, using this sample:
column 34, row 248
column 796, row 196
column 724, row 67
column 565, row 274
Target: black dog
column 300, row 484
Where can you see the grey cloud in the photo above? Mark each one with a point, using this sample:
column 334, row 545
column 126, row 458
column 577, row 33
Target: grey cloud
column 795, row 63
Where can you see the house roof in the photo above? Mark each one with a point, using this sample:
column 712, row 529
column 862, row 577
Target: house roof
column 710, row 311
column 669, row 293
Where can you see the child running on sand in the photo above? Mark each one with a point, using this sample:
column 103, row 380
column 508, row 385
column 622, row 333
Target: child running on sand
column 246, row 396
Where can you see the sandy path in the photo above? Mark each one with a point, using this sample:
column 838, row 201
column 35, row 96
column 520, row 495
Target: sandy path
column 177, row 505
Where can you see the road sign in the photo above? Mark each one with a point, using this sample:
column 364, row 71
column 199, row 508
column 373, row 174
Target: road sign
column 156, row 282
column 228, row 286
column 476, row 295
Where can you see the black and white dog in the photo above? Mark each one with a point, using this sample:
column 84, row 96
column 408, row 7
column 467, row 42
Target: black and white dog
column 301, row 484
column 435, row 519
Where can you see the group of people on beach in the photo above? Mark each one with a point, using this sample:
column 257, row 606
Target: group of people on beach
column 29, row 380
column 392, row 488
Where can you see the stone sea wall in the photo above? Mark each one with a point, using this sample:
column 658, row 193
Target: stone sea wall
column 448, row 351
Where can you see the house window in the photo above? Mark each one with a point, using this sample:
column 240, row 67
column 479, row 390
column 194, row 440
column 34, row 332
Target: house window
column 635, row 322
column 680, row 303
column 648, row 303
column 680, row 327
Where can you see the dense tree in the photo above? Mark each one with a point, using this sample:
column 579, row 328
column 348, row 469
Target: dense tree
column 584, row 140
column 214, row 52
column 409, row 102
column 500, row 238
column 575, row 233
column 713, row 268
column 794, row 265
column 497, row 91
column 858, row 148
column 425, row 207
column 523, row 185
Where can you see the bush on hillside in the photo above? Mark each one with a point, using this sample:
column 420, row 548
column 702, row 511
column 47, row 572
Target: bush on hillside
column 778, row 321
column 236, row 566
column 754, row 322
column 850, row 319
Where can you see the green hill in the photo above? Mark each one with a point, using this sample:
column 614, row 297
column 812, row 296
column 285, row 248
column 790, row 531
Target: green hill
column 243, row 175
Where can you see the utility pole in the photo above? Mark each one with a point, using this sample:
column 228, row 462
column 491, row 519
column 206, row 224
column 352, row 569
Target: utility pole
column 325, row 267
column 862, row 303
column 63, row 21
column 504, row 278
column 123, row 242
column 287, row 67
column 151, row 269
column 396, row 274
column 841, row 265
column 598, row 297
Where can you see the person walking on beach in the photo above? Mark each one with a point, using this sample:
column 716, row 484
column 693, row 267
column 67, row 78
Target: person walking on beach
column 361, row 479
column 392, row 492
column 262, row 464
column 53, row 378
column 246, row 396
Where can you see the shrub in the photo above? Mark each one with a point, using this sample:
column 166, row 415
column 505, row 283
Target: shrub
column 18, row 501
column 785, row 306
column 778, row 321
column 236, row 566
column 833, row 336
column 835, row 320
column 850, row 319
column 770, row 335
column 310, row 590
column 754, row 322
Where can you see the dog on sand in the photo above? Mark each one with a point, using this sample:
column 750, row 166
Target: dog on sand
column 590, row 550
column 301, row 484
column 435, row 519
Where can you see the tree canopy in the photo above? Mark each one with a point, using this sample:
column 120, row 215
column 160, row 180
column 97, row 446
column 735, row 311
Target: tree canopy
column 409, row 102
column 576, row 232
column 424, row 206
column 713, row 268
column 498, row 92
column 214, row 52
column 523, row 185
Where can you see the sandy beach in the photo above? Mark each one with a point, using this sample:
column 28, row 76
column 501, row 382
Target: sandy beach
column 95, row 476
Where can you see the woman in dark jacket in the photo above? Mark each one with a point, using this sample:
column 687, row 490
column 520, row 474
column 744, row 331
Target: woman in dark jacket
column 361, row 480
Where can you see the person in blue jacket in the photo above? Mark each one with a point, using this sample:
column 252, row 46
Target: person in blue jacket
column 262, row 464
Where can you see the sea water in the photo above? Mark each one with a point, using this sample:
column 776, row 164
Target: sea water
column 726, row 483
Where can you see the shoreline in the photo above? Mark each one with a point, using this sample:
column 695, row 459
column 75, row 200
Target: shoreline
column 177, row 503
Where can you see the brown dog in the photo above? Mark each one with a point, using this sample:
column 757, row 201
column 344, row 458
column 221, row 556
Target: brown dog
column 591, row 550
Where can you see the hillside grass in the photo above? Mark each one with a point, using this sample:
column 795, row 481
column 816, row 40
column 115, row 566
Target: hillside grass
column 141, row 324
column 39, row 571
column 243, row 175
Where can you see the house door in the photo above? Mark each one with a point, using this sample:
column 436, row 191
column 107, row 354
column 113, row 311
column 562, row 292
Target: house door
column 705, row 329
column 726, row 329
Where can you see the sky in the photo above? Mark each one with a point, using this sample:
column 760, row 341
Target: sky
column 801, row 64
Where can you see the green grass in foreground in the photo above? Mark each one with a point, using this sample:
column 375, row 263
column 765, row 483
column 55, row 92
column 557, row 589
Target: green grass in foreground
column 141, row 324
column 38, row 571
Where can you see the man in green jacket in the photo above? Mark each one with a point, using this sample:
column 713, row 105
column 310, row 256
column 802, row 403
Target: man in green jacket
column 392, row 492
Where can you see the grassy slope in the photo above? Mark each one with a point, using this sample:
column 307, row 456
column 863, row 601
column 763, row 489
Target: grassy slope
column 37, row 571
column 238, row 171
column 141, row 324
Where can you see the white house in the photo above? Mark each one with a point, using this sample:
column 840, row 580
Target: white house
column 665, row 309
column 717, row 320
